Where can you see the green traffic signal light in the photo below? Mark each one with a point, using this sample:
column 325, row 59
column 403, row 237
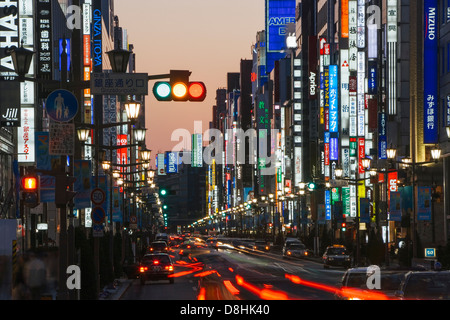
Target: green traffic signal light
column 162, row 91
column 163, row 192
column 165, row 207
column 311, row 186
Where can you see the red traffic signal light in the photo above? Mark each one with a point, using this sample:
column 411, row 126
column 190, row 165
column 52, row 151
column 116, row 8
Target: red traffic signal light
column 197, row 91
column 30, row 183
column 30, row 191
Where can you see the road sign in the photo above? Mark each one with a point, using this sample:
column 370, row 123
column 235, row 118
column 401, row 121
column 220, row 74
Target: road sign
column 430, row 252
column 61, row 106
column 119, row 84
column 97, row 230
column 98, row 196
column 62, row 139
column 98, row 215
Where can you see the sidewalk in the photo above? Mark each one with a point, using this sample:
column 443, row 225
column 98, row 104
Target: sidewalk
column 116, row 292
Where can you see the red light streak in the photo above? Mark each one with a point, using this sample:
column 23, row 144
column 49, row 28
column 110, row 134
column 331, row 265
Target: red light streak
column 350, row 293
column 265, row 294
column 202, row 294
column 232, row 289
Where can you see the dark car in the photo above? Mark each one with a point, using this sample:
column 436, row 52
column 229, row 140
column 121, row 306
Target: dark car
column 158, row 246
column 354, row 283
column 157, row 266
column 261, row 245
column 295, row 251
column 425, row 285
column 336, row 255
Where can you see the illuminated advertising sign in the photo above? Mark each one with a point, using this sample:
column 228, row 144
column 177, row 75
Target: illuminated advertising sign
column 122, row 154
column 372, row 80
column 172, row 162
column 279, row 14
column 327, row 205
column 431, row 124
column 447, row 114
column 345, row 98
column 26, row 137
column 361, row 154
column 344, row 19
column 97, row 45
column 68, row 52
column 197, row 150
column 424, row 204
column 9, row 37
column 160, row 164
column 382, row 138
column 334, row 149
column 44, row 37
column 312, row 68
column 352, row 33
column 9, row 104
column 333, row 99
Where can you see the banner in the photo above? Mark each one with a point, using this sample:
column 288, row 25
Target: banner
column 82, row 185
column 424, row 204
column 364, row 210
column 395, row 206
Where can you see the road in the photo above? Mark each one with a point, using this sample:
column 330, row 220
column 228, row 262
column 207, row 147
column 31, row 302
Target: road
column 230, row 274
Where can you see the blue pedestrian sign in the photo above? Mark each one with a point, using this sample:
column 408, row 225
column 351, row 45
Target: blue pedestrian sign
column 61, row 106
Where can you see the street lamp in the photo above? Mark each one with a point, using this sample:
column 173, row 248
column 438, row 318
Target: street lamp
column 22, row 58
column 83, row 134
column 145, row 155
column 447, row 128
column 119, row 59
column 132, row 108
column 139, row 135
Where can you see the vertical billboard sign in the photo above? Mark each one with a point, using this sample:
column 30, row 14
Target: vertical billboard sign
column 333, row 99
column 424, row 204
column 197, row 150
column 430, row 70
column 312, row 68
column 9, row 37
column 160, row 164
column 345, row 98
column 353, row 33
column 344, row 19
column 26, row 137
column 44, row 38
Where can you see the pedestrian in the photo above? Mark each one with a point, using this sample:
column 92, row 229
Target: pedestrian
column 35, row 276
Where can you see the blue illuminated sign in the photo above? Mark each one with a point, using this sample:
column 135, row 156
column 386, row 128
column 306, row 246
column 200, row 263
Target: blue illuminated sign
column 372, row 81
column 334, row 149
column 172, row 162
column 67, row 52
column 97, row 46
column 333, row 99
column 431, row 124
column 382, row 139
column 327, row 205
column 279, row 13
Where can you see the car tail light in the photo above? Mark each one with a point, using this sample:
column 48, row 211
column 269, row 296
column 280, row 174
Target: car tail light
column 170, row 268
column 143, row 269
column 151, row 249
column 155, row 261
column 188, row 247
column 306, row 253
column 267, row 248
column 289, row 253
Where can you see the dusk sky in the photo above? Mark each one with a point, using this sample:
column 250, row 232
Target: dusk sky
column 207, row 37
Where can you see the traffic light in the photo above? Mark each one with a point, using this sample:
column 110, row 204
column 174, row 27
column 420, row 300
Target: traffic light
column 165, row 207
column 343, row 226
column 30, row 191
column 63, row 195
column 311, row 186
column 163, row 192
column 179, row 88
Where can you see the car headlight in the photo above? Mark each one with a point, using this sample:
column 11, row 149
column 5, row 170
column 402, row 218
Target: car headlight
column 347, row 259
column 330, row 258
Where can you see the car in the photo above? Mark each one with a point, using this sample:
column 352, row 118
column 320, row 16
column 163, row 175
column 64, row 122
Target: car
column 289, row 242
column 162, row 237
column 354, row 283
column 295, row 251
column 336, row 255
column 425, row 285
column 158, row 246
column 212, row 243
column 156, row 266
column 261, row 245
